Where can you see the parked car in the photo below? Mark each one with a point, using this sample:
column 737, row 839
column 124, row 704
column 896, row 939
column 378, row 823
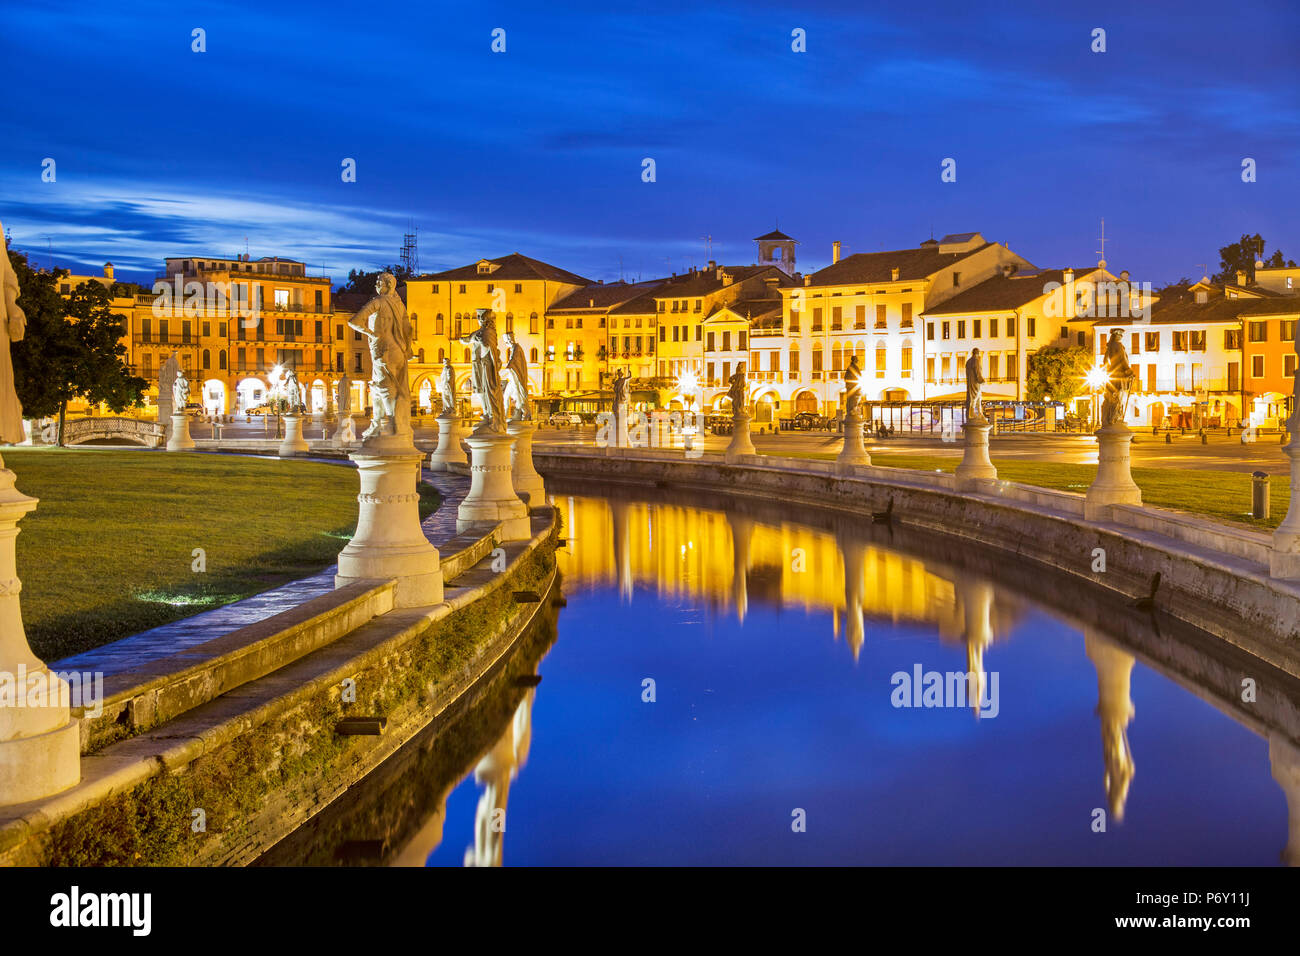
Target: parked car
column 194, row 407
column 806, row 421
column 564, row 420
column 261, row 410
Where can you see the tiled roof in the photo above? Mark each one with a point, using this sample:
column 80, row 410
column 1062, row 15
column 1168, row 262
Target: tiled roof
column 513, row 268
column 776, row 234
column 1003, row 293
column 603, row 296
column 754, row 308
column 707, row 281
column 957, row 237
column 1182, row 309
column 912, row 264
column 350, row 301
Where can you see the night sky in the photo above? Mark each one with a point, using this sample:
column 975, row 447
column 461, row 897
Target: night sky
column 163, row 151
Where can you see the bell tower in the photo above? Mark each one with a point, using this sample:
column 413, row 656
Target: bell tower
column 776, row 249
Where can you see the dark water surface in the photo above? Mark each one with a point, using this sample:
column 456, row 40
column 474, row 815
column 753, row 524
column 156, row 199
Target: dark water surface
column 773, row 638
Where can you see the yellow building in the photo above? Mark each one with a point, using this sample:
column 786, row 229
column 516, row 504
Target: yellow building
column 519, row 290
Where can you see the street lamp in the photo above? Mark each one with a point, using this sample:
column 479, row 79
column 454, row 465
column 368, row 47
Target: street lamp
column 1096, row 380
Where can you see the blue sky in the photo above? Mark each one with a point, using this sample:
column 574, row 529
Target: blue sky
column 163, row 151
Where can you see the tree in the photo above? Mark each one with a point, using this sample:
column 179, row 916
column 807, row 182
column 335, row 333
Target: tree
column 1058, row 372
column 1241, row 256
column 359, row 281
column 73, row 347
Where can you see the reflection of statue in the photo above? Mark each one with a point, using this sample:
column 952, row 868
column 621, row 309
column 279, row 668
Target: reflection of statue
column 13, row 326
column 447, row 388
column 1119, row 381
column 852, row 387
column 180, row 394
column 293, row 392
column 737, row 392
column 485, row 375
column 516, row 384
column 386, row 326
column 974, row 388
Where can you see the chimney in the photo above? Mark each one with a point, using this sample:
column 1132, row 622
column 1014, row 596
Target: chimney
column 1241, row 277
column 807, row 280
column 835, row 252
column 1067, row 276
column 712, row 264
column 893, row 274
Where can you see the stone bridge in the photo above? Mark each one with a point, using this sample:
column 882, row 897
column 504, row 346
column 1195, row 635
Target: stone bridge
column 78, row 431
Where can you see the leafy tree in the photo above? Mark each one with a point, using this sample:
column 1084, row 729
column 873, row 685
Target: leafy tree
column 72, row 349
column 1241, row 255
column 1058, row 372
column 359, row 281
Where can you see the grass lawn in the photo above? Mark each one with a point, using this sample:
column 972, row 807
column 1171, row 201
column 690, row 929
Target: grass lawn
column 109, row 550
column 1221, row 495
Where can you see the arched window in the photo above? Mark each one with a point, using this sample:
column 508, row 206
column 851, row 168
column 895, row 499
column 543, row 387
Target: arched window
column 510, row 322
column 837, row 357
column 441, row 355
column 533, row 356
column 438, row 324
column 221, row 360
column 415, row 325
column 420, row 356
column 532, row 323
column 467, row 356
column 207, row 359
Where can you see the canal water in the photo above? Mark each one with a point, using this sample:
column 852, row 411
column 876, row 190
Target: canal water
column 734, row 683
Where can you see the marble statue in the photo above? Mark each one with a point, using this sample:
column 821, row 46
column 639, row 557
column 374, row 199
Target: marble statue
column 13, row 323
column 620, row 387
column 293, row 392
column 1119, row 381
column 852, row 387
column 384, row 323
column 447, row 388
column 167, row 374
column 738, row 392
column 485, row 372
column 516, row 380
column 343, row 396
column 180, row 393
column 347, row 432
column 974, row 388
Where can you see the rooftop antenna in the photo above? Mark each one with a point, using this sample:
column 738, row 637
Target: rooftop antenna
column 708, row 246
column 1205, row 270
column 1102, row 251
column 410, row 251
column 245, row 248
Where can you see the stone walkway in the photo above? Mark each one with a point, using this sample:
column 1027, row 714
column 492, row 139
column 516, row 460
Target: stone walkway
column 167, row 639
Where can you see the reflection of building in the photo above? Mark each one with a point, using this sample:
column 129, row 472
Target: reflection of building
column 692, row 554
column 1115, row 709
column 1284, row 757
column 494, row 772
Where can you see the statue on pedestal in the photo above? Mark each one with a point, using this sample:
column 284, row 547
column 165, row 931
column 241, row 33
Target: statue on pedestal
column 620, row 388
column 852, row 387
column 516, row 380
column 384, row 323
column 13, row 326
column 738, row 393
column 974, row 388
column 485, row 373
column 180, row 393
column 293, row 392
column 447, row 389
column 1119, row 381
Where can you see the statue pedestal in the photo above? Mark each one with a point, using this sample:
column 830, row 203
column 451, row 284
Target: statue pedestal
column 620, row 427
column 1284, row 558
column 491, row 493
column 1114, row 482
column 389, row 542
column 40, row 743
column 854, row 451
column 293, row 442
column 527, row 482
column 180, row 439
column 975, row 467
column 448, row 451
column 740, row 443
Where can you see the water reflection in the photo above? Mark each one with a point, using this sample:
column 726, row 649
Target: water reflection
column 615, row 780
